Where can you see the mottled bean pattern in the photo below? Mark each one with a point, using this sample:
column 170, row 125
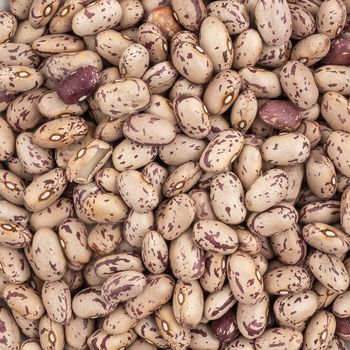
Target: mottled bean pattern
column 175, row 174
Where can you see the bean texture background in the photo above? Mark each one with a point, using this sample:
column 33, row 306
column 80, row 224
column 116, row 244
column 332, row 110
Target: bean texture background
column 175, row 174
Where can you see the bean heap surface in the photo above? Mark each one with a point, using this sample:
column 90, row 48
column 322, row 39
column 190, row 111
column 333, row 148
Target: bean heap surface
column 175, row 174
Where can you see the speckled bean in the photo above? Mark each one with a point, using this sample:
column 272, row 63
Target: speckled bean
column 244, row 278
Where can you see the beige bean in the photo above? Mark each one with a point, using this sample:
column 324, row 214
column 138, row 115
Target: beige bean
column 336, row 148
column 191, row 15
column 331, row 18
column 44, row 190
column 215, row 236
column 41, row 12
column 137, row 191
column 51, row 334
column 61, row 22
column 25, row 56
column 218, row 303
column 160, row 77
column 227, row 198
column 264, row 83
column 60, row 132
column 198, row 69
column 330, row 271
column 333, row 106
column 274, row 21
column 87, row 161
column 11, row 187
column 222, row 91
column 192, row 116
column 56, row 298
column 340, row 307
column 11, row 334
column 326, row 212
column 333, row 78
column 321, row 176
column 188, row 303
column 154, row 252
column 140, row 129
column 147, row 329
column 24, row 300
column 53, row 215
column 14, row 213
column 319, row 331
column 110, row 129
column 176, row 216
column 134, row 61
column 286, row 280
column 233, row 14
column 92, row 19
column 14, row 235
column 214, row 275
column 215, row 40
column 26, row 106
column 295, row 174
column 177, row 335
column 25, row 33
column 275, row 56
column 285, row 307
column 244, row 111
column 311, row 49
column 152, row 38
column 303, row 22
column 118, row 321
column 289, row 246
column 202, row 337
column 281, row 338
column 73, row 237
column 186, row 259
column 181, row 150
column 111, row 44
column 89, row 303
column 102, row 340
column 51, row 106
column 252, row 319
column 77, row 331
column 136, row 226
column 286, row 149
column 246, row 48
column 49, row 260
column 276, row 219
column 213, row 159
column 182, row 179
column 244, row 278
column 35, row 159
column 303, row 95
column 275, row 183
column 19, row 79
column 7, row 142
column 248, row 165
column 157, row 292
column 48, row 45
column 183, row 86
column 107, row 265
column 122, row 286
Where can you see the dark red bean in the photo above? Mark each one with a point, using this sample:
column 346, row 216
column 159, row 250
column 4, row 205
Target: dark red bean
column 79, row 85
column 280, row 114
column 6, row 97
column 343, row 327
column 225, row 328
column 339, row 53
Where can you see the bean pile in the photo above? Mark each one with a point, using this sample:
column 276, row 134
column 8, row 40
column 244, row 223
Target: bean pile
column 175, row 174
